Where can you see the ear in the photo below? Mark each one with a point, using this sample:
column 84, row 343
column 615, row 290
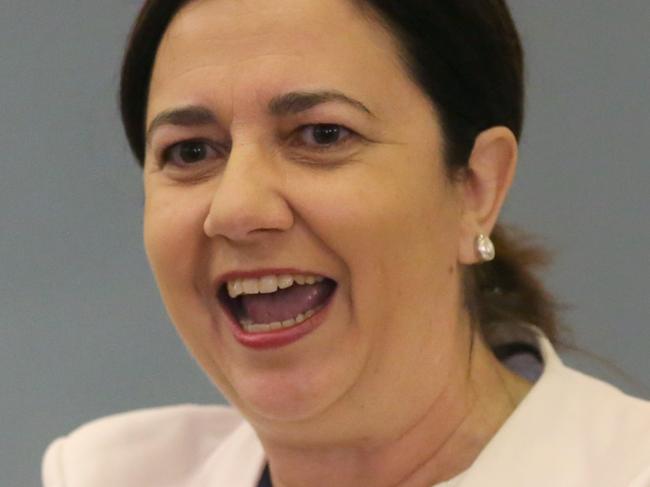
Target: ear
column 490, row 171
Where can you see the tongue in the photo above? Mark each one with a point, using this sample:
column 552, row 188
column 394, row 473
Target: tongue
column 285, row 304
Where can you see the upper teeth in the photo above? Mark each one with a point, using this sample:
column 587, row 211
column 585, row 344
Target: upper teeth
column 268, row 284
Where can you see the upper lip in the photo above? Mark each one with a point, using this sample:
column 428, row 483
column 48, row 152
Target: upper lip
column 257, row 273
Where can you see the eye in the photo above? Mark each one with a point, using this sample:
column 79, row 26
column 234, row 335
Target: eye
column 323, row 136
column 189, row 152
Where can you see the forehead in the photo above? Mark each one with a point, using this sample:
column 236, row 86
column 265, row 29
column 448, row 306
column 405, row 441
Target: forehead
column 228, row 47
column 240, row 27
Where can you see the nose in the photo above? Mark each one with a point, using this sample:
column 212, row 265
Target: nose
column 248, row 199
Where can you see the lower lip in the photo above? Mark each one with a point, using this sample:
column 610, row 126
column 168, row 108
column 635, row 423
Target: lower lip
column 282, row 337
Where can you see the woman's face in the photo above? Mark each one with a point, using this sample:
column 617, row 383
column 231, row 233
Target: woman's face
column 255, row 187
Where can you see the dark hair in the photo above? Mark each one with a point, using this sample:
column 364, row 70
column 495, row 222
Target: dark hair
column 466, row 55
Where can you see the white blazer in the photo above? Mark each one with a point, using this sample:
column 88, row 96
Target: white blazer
column 571, row 430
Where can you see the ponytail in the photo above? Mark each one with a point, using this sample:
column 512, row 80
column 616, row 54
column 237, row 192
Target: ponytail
column 507, row 290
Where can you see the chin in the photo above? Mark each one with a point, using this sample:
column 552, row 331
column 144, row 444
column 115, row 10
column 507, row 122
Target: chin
column 292, row 392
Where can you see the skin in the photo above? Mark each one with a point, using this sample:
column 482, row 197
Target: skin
column 376, row 212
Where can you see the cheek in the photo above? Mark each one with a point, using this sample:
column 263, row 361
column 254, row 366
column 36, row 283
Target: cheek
column 395, row 229
column 179, row 256
column 394, row 234
column 173, row 226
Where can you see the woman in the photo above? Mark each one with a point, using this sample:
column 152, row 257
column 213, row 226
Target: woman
column 322, row 180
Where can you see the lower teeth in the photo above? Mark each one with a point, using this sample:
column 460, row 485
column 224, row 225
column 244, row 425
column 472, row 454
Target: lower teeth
column 250, row 327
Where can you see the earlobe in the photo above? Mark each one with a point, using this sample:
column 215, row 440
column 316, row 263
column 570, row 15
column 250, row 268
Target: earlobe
column 489, row 175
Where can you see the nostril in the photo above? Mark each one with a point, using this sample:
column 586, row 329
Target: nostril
column 240, row 211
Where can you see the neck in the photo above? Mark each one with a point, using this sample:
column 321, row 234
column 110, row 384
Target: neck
column 430, row 449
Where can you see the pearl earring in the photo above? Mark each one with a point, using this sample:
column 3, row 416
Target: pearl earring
column 485, row 248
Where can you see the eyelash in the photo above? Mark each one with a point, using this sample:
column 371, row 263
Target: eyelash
column 327, row 147
column 167, row 156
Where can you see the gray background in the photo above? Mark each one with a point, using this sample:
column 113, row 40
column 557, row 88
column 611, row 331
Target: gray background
column 82, row 330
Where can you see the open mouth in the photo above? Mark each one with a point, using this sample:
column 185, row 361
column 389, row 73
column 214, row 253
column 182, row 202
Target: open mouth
column 270, row 303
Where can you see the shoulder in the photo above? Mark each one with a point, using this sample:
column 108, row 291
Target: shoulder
column 608, row 421
column 570, row 430
column 593, row 432
column 588, row 408
column 158, row 446
column 603, row 432
column 598, row 413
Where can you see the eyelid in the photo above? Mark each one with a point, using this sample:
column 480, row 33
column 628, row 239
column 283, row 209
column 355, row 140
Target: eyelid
column 351, row 134
column 163, row 155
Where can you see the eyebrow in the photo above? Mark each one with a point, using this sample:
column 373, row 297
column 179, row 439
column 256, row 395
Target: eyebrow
column 300, row 101
column 189, row 116
column 290, row 103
